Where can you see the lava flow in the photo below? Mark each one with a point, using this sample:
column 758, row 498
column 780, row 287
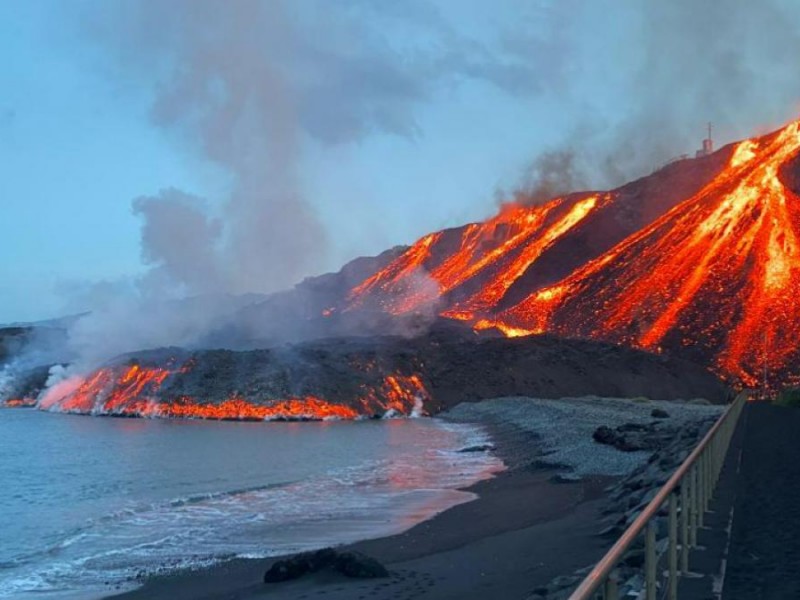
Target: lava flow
column 501, row 249
column 147, row 391
column 715, row 276
column 18, row 403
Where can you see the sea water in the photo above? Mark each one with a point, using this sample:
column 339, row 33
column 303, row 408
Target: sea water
column 88, row 503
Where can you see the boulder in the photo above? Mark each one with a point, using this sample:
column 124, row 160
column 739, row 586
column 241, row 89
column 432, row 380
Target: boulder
column 361, row 566
column 349, row 564
column 480, row 448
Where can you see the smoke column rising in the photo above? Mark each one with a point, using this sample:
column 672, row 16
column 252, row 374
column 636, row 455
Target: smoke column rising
column 245, row 86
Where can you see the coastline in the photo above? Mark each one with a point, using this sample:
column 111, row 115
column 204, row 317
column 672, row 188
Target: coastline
column 522, row 530
column 553, row 512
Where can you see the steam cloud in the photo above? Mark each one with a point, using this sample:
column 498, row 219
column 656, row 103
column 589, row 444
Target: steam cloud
column 247, row 87
column 673, row 66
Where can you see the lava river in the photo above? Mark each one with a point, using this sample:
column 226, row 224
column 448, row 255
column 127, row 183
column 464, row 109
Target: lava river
column 715, row 275
column 156, row 391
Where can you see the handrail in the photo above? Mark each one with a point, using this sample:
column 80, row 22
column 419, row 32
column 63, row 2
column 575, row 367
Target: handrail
column 703, row 466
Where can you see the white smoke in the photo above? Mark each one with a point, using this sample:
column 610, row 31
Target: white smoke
column 247, row 87
column 642, row 79
column 7, row 378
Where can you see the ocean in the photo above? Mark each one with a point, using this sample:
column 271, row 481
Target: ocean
column 87, row 503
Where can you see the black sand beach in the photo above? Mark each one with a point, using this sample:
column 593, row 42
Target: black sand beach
column 522, row 531
column 528, row 525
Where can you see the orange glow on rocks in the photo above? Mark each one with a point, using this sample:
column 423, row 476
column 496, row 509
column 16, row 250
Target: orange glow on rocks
column 502, row 249
column 720, row 271
column 239, row 409
column 397, row 281
column 398, row 393
column 18, row 403
column 135, row 390
column 717, row 276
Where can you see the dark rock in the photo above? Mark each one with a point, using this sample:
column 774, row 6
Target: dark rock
column 612, row 531
column 349, row 564
column 481, row 448
column 543, row 465
column 361, row 566
column 634, row 559
column 659, row 413
column 298, row 565
column 627, row 427
column 604, row 435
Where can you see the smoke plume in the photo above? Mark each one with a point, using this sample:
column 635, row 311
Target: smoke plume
column 641, row 80
column 247, row 87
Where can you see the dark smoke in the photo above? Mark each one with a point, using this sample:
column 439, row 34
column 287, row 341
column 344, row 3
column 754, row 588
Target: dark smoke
column 551, row 174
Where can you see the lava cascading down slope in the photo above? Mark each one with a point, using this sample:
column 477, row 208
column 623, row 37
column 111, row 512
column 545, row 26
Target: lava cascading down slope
column 719, row 273
column 716, row 276
column 149, row 391
column 496, row 253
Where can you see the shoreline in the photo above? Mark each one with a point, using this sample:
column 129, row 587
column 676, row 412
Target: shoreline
column 522, row 530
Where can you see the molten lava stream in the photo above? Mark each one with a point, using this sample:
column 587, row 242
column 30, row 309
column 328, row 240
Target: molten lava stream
column 138, row 391
column 720, row 271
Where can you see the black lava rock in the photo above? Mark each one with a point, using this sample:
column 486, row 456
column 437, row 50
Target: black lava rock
column 361, row 566
column 481, row 448
column 659, row 413
column 604, row 435
column 349, row 564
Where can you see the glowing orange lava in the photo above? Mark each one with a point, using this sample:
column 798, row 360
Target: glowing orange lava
column 502, row 248
column 135, row 390
column 18, row 402
column 720, row 271
column 717, row 276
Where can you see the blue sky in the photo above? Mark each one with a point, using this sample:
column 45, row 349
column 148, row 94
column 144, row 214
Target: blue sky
column 490, row 87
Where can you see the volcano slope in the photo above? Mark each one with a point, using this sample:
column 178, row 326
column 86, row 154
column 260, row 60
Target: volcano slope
column 350, row 378
column 700, row 259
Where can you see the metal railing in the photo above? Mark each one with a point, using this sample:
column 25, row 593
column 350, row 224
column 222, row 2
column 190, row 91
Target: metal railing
column 687, row 494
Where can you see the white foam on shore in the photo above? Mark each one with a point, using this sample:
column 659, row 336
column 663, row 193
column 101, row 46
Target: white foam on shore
column 372, row 498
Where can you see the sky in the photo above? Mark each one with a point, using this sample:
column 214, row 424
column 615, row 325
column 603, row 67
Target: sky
column 202, row 147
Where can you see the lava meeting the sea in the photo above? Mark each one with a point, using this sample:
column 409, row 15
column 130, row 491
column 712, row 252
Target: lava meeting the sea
column 135, row 390
column 715, row 275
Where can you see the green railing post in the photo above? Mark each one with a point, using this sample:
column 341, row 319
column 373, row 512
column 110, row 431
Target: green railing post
column 684, row 526
column 688, row 491
column 673, row 547
column 610, row 590
column 701, row 491
column 692, row 506
column 650, row 561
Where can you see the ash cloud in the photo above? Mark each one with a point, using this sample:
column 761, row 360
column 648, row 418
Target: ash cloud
column 180, row 241
column 246, row 87
column 730, row 63
column 551, row 174
column 644, row 78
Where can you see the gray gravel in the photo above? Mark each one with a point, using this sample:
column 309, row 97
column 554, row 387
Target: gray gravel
column 565, row 426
